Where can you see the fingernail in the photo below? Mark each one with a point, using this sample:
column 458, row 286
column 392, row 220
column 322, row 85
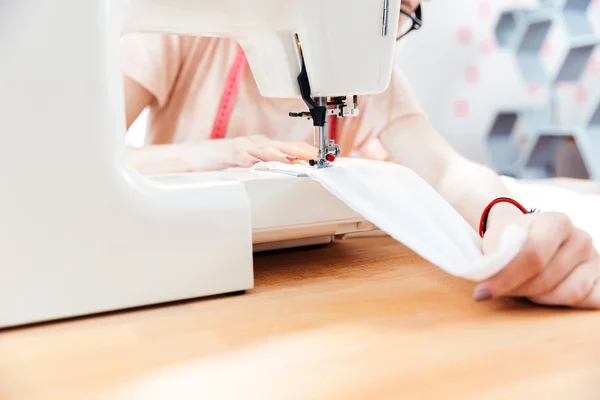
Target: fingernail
column 482, row 294
column 255, row 162
column 291, row 158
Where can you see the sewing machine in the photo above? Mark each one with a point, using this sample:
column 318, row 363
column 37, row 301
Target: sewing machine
column 81, row 232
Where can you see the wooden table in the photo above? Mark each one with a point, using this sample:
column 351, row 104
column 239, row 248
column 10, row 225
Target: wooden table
column 359, row 319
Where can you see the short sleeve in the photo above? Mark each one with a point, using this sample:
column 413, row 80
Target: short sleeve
column 397, row 102
column 152, row 60
column 377, row 112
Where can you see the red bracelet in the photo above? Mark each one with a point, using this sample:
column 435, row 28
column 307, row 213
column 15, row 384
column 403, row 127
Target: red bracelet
column 486, row 212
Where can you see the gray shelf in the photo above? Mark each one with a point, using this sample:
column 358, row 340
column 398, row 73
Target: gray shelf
column 576, row 58
column 593, row 133
column 509, row 133
column 524, row 33
column 501, row 142
column 539, row 158
column 530, row 46
column 527, row 143
column 507, row 28
column 575, row 15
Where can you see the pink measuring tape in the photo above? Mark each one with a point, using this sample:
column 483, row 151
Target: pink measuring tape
column 230, row 92
column 229, row 96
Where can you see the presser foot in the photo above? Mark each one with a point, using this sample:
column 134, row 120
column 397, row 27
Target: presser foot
column 331, row 151
column 321, row 163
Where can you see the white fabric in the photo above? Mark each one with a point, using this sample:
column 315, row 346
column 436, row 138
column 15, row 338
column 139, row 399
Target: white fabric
column 407, row 208
column 584, row 210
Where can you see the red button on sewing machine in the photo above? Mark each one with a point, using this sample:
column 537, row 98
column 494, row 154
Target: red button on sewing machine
column 330, row 157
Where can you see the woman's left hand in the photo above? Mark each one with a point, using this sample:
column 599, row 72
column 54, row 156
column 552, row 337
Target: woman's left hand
column 558, row 264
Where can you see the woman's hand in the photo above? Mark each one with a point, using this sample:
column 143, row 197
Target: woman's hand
column 558, row 265
column 212, row 155
column 248, row 150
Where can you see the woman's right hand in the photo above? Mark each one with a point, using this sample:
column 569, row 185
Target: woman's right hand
column 246, row 151
column 212, row 155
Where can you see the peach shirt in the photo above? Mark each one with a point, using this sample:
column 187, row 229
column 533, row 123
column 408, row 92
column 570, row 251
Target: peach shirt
column 187, row 75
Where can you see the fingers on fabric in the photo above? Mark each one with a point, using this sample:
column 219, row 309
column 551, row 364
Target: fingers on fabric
column 547, row 234
column 261, row 148
column 311, row 150
column 267, row 153
column 251, row 150
column 293, row 151
column 301, row 151
column 244, row 159
column 578, row 249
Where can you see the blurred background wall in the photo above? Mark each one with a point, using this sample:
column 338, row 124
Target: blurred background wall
column 463, row 78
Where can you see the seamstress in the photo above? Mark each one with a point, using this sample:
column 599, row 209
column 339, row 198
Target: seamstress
column 206, row 113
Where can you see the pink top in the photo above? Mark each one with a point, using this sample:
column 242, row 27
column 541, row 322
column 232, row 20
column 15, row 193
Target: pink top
column 187, row 76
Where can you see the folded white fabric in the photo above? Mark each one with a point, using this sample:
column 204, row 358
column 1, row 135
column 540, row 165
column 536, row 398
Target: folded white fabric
column 407, row 208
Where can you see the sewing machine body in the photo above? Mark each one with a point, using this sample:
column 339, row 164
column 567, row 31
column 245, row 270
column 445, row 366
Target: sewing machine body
column 278, row 207
column 81, row 232
column 346, row 45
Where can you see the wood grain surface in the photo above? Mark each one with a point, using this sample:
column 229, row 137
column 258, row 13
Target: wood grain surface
column 363, row 318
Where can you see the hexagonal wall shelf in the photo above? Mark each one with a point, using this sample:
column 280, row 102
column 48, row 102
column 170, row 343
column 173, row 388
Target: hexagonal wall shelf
column 526, row 143
column 593, row 136
column 576, row 58
column 528, row 53
column 524, row 32
column 510, row 133
column 506, row 28
column 594, row 126
column 540, row 158
column 574, row 13
column 501, row 142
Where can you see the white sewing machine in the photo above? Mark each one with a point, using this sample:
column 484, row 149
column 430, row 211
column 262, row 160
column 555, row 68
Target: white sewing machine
column 80, row 232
